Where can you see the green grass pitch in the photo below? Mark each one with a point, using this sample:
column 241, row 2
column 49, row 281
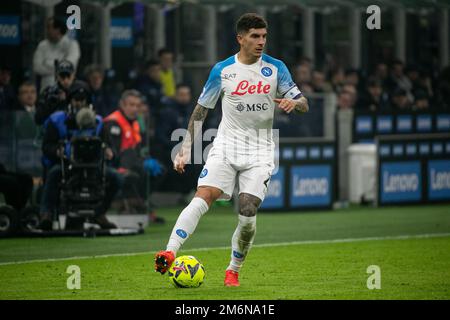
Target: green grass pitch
column 316, row 255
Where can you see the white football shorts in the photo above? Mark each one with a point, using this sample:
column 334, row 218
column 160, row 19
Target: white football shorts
column 220, row 172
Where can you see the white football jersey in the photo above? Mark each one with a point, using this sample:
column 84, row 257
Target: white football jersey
column 247, row 93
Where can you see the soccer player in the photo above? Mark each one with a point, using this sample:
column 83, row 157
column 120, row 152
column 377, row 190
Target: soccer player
column 248, row 83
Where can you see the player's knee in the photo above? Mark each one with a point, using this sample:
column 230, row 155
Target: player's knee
column 208, row 194
column 248, row 209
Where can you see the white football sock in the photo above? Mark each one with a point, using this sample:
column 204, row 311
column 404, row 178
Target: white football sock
column 242, row 241
column 186, row 223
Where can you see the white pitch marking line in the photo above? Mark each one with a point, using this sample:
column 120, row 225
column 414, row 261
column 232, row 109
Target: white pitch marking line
column 401, row 237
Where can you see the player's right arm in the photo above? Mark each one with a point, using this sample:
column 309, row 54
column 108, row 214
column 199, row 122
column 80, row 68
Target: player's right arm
column 195, row 123
column 207, row 100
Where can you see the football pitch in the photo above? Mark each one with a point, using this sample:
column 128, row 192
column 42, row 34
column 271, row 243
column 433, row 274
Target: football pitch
column 311, row 255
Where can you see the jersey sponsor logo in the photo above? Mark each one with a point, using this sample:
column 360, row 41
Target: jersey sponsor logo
column 229, row 76
column 257, row 107
column 252, row 107
column 244, row 87
column 204, row 173
column 266, row 71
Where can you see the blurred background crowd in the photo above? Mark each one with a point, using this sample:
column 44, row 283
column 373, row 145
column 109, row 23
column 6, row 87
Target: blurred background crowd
column 165, row 49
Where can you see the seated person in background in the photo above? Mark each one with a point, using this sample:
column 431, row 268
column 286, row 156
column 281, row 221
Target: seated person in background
column 174, row 116
column 27, row 97
column 104, row 102
column 345, row 101
column 24, row 119
column 400, row 100
column 78, row 120
column 55, row 97
column 421, row 101
column 374, row 98
column 7, row 92
column 16, row 188
column 124, row 134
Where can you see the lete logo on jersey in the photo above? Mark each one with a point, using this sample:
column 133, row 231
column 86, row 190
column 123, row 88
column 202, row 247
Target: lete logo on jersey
column 245, row 87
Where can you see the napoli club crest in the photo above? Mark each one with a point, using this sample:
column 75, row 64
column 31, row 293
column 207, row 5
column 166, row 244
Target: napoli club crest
column 266, row 71
column 204, row 173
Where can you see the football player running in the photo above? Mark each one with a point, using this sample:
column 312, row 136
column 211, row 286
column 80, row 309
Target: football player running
column 250, row 84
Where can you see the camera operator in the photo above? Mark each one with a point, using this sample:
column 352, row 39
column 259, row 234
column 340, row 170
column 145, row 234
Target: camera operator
column 79, row 119
column 55, row 97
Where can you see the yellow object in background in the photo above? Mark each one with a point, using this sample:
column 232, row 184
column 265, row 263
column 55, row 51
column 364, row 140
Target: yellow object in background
column 168, row 82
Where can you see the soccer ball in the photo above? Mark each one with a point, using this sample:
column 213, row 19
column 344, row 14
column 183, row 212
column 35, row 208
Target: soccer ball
column 186, row 272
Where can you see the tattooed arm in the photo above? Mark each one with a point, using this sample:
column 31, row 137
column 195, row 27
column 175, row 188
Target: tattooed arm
column 195, row 125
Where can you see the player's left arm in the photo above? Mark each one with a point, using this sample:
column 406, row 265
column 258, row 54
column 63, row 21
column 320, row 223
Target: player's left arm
column 292, row 98
column 299, row 105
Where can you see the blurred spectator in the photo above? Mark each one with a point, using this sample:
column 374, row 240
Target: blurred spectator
column 400, row 100
column 124, row 134
column 381, row 71
column 27, row 97
column 176, row 116
column 104, row 102
column 55, row 97
column 345, row 101
column 56, row 47
column 420, row 81
column 352, row 77
column 398, row 79
column 302, row 77
column 374, row 98
column 318, row 82
column 145, row 121
column 421, row 101
column 337, row 78
column 352, row 91
column 443, row 89
column 149, row 84
column 7, row 94
column 167, row 74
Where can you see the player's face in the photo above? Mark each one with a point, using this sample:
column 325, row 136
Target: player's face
column 253, row 42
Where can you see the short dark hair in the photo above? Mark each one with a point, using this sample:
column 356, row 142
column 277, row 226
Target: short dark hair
column 93, row 68
column 183, row 85
column 150, row 63
column 163, row 51
column 249, row 21
column 59, row 23
column 27, row 83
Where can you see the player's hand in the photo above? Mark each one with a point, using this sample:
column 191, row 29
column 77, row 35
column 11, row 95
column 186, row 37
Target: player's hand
column 287, row 105
column 181, row 159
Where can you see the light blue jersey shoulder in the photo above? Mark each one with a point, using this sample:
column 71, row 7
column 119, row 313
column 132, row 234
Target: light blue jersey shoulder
column 212, row 89
column 284, row 78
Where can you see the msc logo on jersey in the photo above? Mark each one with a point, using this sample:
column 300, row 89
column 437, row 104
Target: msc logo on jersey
column 204, row 173
column 252, row 107
column 266, row 71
